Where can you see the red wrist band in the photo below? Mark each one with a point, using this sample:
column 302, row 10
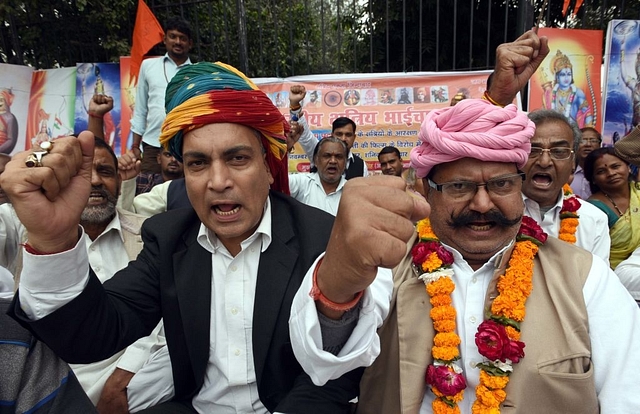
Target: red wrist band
column 317, row 295
column 96, row 116
column 31, row 250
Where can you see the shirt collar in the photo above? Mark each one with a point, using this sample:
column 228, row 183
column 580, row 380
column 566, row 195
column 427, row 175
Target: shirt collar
column 114, row 225
column 316, row 178
column 167, row 58
column 208, row 239
column 530, row 202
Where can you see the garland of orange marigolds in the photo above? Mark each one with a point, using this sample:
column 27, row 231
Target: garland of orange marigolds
column 498, row 337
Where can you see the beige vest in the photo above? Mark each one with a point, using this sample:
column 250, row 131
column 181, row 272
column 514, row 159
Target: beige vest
column 556, row 374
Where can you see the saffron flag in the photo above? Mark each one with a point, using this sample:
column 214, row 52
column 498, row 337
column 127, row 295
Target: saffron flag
column 576, row 7
column 147, row 32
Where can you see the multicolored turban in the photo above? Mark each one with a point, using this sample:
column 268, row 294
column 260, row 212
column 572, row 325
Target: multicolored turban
column 474, row 128
column 209, row 93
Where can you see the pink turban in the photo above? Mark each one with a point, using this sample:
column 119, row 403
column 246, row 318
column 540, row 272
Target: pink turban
column 474, row 128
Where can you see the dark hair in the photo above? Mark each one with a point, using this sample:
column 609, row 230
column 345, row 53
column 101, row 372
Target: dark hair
column 389, row 150
column 101, row 143
column 590, row 162
column 541, row 116
column 321, row 143
column 179, row 24
column 592, row 129
column 341, row 122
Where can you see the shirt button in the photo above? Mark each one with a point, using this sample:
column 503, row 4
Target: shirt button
column 474, row 280
column 93, row 248
column 473, row 364
column 96, row 269
column 237, row 353
column 472, row 319
column 234, row 311
column 234, row 268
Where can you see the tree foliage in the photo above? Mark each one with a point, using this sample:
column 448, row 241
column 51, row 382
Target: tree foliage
column 293, row 37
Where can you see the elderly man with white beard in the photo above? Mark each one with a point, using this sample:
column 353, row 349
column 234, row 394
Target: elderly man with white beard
column 112, row 238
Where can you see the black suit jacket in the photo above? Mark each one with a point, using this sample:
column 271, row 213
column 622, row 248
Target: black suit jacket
column 171, row 279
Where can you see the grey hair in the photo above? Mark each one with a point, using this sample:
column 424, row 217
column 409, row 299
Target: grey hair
column 540, row 116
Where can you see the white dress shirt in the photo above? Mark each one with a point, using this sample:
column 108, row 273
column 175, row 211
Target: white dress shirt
column 593, row 229
column 307, row 188
column 230, row 380
column 146, row 204
column 12, row 233
column 629, row 273
column 149, row 113
column 106, row 255
column 611, row 337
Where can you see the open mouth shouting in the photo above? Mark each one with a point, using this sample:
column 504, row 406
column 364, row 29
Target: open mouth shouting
column 226, row 211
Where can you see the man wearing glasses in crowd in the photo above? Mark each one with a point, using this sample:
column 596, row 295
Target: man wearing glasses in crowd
column 552, row 157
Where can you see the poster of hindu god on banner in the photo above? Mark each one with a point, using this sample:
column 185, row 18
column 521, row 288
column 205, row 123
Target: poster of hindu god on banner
column 568, row 80
column 622, row 79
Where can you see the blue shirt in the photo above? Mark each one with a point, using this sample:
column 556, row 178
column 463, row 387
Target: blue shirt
column 149, row 112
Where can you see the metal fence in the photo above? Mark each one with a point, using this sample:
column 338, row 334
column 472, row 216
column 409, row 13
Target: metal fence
column 298, row 37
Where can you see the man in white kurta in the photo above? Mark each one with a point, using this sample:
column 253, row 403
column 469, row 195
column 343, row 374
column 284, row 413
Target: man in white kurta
column 548, row 168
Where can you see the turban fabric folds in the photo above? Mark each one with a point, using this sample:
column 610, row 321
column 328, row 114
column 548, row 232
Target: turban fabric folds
column 474, row 128
column 207, row 93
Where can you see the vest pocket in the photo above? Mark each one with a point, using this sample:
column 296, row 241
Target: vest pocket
column 570, row 367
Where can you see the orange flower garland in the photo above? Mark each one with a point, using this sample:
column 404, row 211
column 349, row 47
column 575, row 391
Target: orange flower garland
column 432, row 263
column 569, row 216
column 444, row 375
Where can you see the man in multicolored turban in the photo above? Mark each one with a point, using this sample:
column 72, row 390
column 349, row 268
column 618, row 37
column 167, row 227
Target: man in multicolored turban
column 487, row 312
column 222, row 275
column 8, row 123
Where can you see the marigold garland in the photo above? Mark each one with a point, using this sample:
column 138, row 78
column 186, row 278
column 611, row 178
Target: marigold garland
column 569, row 215
column 433, row 265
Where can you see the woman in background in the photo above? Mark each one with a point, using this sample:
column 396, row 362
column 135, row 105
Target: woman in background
column 613, row 193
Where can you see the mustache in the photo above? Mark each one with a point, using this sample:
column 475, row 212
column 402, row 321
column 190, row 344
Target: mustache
column 495, row 216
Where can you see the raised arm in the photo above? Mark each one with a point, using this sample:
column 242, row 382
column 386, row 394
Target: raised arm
column 516, row 62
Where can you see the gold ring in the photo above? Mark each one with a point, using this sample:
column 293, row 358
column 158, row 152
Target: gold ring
column 35, row 158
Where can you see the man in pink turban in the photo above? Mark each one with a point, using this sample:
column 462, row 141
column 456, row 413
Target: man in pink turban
column 505, row 309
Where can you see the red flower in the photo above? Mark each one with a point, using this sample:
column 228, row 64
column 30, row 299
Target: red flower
column 491, row 339
column 445, row 380
column 420, row 252
column 493, row 343
column 444, row 255
column 571, row 205
column 529, row 227
column 514, row 350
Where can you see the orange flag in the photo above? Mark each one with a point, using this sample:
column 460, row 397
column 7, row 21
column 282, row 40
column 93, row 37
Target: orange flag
column 565, row 8
column 577, row 6
column 147, row 33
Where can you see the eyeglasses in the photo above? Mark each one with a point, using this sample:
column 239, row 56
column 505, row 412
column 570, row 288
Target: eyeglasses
column 466, row 190
column 591, row 141
column 558, row 153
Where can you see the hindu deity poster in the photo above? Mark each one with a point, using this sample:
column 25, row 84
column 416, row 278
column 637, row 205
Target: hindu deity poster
column 51, row 105
column 15, row 89
column 622, row 79
column 568, row 80
column 102, row 79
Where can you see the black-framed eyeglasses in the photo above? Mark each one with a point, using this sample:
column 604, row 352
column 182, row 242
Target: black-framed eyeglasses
column 466, row 190
column 557, row 153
